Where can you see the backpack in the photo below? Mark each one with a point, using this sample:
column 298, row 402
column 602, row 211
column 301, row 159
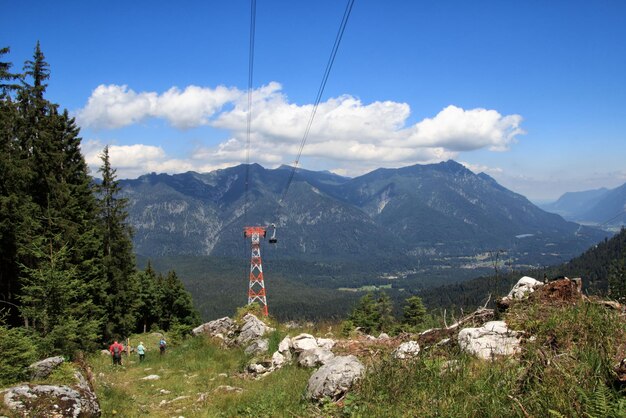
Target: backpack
column 162, row 344
column 116, row 351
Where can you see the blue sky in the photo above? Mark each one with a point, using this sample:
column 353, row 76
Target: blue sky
column 533, row 93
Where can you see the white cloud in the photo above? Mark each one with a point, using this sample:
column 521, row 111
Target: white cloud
column 346, row 133
column 457, row 129
column 113, row 106
column 479, row 168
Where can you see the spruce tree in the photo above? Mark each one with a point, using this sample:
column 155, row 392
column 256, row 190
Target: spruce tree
column 118, row 257
column 176, row 303
column 148, row 306
column 414, row 313
column 46, row 197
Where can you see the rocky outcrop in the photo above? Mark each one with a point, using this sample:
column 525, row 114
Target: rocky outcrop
column 523, row 287
column 492, row 339
column 409, row 349
column 49, row 401
column 221, row 328
column 258, row 346
column 252, row 329
column 314, row 357
column 43, row 368
column 335, row 378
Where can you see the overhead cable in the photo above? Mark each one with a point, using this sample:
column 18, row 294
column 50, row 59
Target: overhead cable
column 249, row 115
column 320, row 92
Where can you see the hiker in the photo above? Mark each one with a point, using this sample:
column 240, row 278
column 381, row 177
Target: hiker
column 116, row 352
column 141, row 350
column 162, row 345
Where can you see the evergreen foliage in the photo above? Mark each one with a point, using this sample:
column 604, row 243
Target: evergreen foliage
column 414, row 313
column 373, row 313
column 18, row 350
column 118, row 258
column 68, row 271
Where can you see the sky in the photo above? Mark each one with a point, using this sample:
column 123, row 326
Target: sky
column 532, row 93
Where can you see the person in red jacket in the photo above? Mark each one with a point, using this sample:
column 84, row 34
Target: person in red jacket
column 116, row 350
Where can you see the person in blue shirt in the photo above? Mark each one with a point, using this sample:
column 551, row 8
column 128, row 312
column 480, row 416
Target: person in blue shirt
column 141, row 350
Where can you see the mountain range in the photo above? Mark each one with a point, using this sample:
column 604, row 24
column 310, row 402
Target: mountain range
column 438, row 215
column 603, row 207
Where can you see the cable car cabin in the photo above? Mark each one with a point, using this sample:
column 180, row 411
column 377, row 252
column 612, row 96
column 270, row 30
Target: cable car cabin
column 273, row 239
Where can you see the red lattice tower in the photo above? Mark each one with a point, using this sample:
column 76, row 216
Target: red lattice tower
column 256, row 287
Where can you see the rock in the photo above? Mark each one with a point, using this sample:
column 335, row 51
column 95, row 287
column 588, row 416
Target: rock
column 257, row 368
column 523, row 287
column 303, row 342
column 43, row 368
column 259, row 346
column 383, row 336
column 284, row 348
column 226, row 388
column 314, row 357
column 219, row 327
column 285, row 345
column 252, row 329
column 334, row 378
column 406, row 350
column 278, row 360
column 105, row 352
column 151, row 377
column 51, row 401
column 492, row 339
column 325, row 343
column 222, row 375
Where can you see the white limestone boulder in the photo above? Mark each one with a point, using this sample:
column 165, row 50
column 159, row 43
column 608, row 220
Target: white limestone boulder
column 334, row 378
column 303, row 342
column 523, row 287
column 492, row 339
column 224, row 327
column 252, row 329
column 258, row 346
column 409, row 349
column 314, row 357
column 43, row 368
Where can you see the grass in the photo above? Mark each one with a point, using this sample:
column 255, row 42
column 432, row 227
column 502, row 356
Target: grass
column 565, row 370
column 192, row 376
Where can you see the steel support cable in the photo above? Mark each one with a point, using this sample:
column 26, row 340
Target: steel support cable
column 249, row 124
column 320, row 92
column 249, row 115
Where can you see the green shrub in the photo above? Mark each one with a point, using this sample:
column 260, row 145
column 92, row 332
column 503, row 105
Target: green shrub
column 19, row 350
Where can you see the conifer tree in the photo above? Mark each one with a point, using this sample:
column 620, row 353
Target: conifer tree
column 148, row 306
column 176, row 303
column 46, row 197
column 414, row 312
column 53, row 298
column 118, row 257
column 13, row 195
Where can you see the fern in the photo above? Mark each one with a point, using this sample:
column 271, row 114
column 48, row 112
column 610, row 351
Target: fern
column 602, row 403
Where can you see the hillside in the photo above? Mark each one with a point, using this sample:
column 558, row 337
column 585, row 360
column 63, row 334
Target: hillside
column 592, row 266
column 567, row 363
column 604, row 207
column 418, row 217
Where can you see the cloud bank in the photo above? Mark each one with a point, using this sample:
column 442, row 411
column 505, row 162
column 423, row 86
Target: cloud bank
column 347, row 135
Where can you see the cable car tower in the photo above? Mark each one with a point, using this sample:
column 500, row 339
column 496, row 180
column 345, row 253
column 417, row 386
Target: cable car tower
column 256, row 286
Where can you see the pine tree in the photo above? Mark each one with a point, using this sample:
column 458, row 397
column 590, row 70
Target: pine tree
column 53, row 298
column 118, row 258
column 176, row 303
column 414, row 313
column 148, row 306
